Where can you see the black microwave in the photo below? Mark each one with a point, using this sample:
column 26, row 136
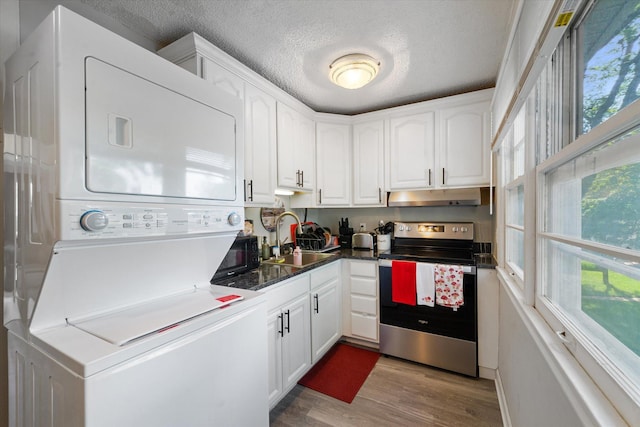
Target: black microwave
column 243, row 256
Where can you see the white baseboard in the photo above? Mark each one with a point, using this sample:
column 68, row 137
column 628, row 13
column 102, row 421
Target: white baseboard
column 486, row 373
column 502, row 401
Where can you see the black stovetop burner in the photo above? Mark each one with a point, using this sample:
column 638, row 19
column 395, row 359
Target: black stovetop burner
column 447, row 243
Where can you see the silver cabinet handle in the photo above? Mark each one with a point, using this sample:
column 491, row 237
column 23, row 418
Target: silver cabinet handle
column 316, row 307
column 429, row 177
column 301, row 178
column 379, row 195
column 320, row 196
column 442, row 176
column 250, row 185
column 245, row 189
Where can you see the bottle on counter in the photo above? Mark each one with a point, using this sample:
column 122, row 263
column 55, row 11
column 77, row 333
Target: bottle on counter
column 266, row 249
column 297, row 256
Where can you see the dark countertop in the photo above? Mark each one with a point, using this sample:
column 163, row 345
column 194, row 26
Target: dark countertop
column 485, row 261
column 270, row 274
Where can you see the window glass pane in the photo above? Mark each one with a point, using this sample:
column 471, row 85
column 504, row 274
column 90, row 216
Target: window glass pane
column 609, row 60
column 601, row 296
column 515, row 206
column 515, row 248
column 596, row 196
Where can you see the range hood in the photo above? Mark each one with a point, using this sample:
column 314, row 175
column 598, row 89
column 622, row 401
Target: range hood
column 452, row 197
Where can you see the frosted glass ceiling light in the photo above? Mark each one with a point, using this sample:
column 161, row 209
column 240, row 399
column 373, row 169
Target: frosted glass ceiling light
column 353, row 71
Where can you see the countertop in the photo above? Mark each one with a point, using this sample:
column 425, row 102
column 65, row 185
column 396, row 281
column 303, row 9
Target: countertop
column 270, row 274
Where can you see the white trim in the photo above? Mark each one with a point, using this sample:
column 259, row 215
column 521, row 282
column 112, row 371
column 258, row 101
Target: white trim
column 619, row 124
column 502, row 401
column 588, row 402
column 630, row 254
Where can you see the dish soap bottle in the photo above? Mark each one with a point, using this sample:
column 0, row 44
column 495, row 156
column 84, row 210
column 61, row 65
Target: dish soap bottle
column 266, row 250
column 297, row 256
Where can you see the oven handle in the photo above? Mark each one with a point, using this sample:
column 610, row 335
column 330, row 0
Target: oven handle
column 467, row 269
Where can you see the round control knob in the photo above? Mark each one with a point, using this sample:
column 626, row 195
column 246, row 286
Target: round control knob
column 94, row 221
column 234, row 218
column 454, row 229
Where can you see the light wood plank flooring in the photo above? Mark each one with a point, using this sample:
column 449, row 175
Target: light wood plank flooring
column 397, row 393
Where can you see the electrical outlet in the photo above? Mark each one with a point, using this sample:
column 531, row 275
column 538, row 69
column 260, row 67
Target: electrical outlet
column 363, row 226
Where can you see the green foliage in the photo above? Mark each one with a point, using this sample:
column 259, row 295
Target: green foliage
column 611, row 206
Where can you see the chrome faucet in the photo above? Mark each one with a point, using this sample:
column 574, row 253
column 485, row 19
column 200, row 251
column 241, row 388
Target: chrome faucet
column 285, row 213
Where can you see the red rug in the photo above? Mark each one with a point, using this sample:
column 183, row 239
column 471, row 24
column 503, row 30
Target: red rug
column 341, row 372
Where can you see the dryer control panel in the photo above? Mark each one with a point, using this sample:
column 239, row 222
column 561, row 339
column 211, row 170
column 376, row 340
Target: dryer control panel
column 81, row 221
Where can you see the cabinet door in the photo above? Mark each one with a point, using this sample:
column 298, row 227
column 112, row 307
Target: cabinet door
column 368, row 164
column 274, row 356
column 221, row 77
column 296, row 149
column 296, row 343
column 286, row 130
column 411, row 152
column 464, row 146
column 260, row 147
column 305, row 151
column 333, row 148
column 325, row 319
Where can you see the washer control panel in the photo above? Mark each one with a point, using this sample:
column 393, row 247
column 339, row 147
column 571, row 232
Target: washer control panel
column 80, row 221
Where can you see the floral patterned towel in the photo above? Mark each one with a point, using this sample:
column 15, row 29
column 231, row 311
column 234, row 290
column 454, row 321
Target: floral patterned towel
column 448, row 281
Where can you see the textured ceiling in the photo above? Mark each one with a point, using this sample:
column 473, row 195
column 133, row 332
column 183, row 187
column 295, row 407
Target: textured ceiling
column 427, row 48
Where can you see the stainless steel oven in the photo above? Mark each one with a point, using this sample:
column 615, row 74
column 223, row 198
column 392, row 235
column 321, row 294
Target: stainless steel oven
column 436, row 335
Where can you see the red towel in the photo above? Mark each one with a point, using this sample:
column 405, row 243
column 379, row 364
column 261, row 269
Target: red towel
column 403, row 282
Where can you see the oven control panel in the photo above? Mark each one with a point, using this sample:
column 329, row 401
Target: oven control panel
column 432, row 230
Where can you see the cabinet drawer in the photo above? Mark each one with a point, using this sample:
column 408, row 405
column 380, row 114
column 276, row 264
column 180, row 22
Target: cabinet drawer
column 364, row 304
column 364, row 326
column 324, row 274
column 364, row 268
column 364, row 286
column 279, row 294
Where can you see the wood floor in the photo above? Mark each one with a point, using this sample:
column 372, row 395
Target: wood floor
column 397, row 393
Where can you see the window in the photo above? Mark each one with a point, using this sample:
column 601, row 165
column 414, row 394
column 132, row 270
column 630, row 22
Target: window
column 514, row 166
column 588, row 276
column 590, row 242
column 585, row 135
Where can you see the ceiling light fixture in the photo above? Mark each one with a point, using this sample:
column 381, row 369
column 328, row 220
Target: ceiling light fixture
column 353, row 71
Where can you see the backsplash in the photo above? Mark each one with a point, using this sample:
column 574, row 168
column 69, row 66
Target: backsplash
column 330, row 217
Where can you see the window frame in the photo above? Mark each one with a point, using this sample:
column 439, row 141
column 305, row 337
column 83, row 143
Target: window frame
column 606, row 374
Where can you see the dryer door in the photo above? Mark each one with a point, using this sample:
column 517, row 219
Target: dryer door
column 145, row 139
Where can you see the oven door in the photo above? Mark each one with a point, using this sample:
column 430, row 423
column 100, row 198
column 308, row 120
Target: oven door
column 438, row 320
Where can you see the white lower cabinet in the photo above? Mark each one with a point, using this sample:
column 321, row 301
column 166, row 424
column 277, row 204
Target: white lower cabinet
column 326, row 325
column 289, row 341
column 360, row 296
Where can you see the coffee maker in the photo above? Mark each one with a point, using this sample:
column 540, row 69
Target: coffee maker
column 346, row 233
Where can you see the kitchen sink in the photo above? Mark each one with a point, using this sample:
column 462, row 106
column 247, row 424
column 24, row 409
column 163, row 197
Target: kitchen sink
column 308, row 258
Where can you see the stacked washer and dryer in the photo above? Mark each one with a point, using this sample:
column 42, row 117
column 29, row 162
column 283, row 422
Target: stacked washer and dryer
column 122, row 194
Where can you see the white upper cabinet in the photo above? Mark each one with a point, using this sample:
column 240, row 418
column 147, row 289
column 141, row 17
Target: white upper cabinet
column 333, row 160
column 411, row 151
column 446, row 147
column 368, row 164
column 221, row 77
column 260, row 147
column 464, row 146
column 296, row 149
